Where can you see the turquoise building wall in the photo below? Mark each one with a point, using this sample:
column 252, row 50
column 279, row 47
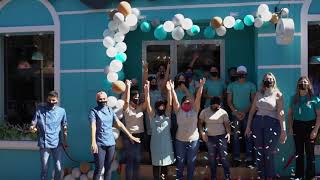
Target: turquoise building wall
column 257, row 49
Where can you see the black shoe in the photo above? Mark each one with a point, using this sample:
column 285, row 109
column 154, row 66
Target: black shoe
column 236, row 163
column 249, row 164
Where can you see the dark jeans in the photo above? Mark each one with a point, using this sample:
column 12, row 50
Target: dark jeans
column 217, row 147
column 160, row 172
column 239, row 127
column 303, row 144
column 267, row 133
column 186, row 151
column 104, row 159
column 44, row 159
column 133, row 157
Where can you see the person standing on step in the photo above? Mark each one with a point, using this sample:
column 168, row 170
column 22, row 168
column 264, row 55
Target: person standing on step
column 162, row 154
column 304, row 122
column 187, row 136
column 50, row 121
column 216, row 134
column 101, row 119
column 240, row 97
column 267, row 126
column 133, row 116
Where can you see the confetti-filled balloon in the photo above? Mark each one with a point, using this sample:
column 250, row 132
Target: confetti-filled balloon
column 112, row 76
column 111, row 52
column 115, row 66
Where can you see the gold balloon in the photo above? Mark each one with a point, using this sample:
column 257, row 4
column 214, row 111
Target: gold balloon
column 275, row 18
column 125, row 8
column 84, row 167
column 118, row 87
column 216, row 22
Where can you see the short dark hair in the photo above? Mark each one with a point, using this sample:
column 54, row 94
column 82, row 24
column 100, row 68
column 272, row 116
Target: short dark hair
column 215, row 100
column 232, row 68
column 53, row 94
column 133, row 92
column 158, row 103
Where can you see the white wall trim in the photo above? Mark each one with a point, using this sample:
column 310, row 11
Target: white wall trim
column 27, row 29
column 214, row 5
column 66, row 71
column 314, row 17
column 304, row 37
column 81, row 41
column 294, row 66
column 274, row 34
column 19, row 145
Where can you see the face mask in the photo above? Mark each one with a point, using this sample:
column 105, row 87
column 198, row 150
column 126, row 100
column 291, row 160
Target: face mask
column 160, row 112
column 303, row 86
column 233, row 78
column 181, row 82
column 161, row 75
column 102, row 103
column 188, row 75
column 51, row 105
column 135, row 101
column 214, row 108
column 214, row 74
column 242, row 76
column 153, row 87
column 267, row 83
column 186, row 107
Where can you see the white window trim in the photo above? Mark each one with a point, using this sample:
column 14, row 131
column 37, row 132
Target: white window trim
column 173, row 51
column 32, row 145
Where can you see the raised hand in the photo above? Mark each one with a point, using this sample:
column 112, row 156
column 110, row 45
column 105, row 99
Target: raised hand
column 168, row 86
column 172, row 84
column 146, row 86
column 202, row 81
column 145, row 66
column 128, row 83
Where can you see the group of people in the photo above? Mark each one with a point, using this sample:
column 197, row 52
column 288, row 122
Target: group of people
column 205, row 109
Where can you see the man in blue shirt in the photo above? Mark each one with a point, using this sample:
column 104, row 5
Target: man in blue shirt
column 48, row 121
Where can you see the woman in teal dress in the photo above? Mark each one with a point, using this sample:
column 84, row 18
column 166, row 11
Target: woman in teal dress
column 161, row 147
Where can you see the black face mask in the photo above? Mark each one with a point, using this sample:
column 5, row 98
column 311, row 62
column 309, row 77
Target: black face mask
column 102, row 103
column 214, row 108
column 267, row 83
column 242, row 76
column 303, row 86
column 51, row 105
column 160, row 112
column 183, row 82
column 135, row 101
column 233, row 78
column 153, row 87
column 214, row 74
column 161, row 75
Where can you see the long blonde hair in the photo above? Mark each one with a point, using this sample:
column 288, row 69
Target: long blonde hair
column 274, row 87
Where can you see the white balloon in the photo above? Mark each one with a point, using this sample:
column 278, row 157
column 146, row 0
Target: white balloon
column 262, row 8
column 121, row 47
column 114, row 165
column 111, row 101
column 258, row 22
column 221, row 31
column 133, row 28
column 186, row 24
column 111, row 52
column 229, row 22
column 69, row 177
column 131, row 20
column 118, row 17
column 124, row 28
column 112, row 77
column 266, row 16
column 106, row 70
column 90, row 174
column 120, row 104
column 108, row 42
column 178, row 33
column 136, row 12
column 177, row 19
column 115, row 66
column 113, row 25
column 84, row 177
column 115, row 132
column 119, row 37
column 284, row 12
column 76, row 172
column 108, row 32
column 168, row 26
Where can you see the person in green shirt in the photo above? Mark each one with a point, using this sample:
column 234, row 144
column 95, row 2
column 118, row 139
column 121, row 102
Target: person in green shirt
column 214, row 86
column 240, row 97
column 304, row 123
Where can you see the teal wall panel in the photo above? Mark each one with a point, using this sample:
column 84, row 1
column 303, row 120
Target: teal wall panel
column 270, row 53
column 84, row 56
column 25, row 13
column 314, row 7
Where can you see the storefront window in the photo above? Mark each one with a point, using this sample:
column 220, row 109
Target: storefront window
column 28, row 75
column 314, row 56
column 157, row 55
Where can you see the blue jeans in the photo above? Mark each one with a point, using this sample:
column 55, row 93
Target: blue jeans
column 239, row 127
column 44, row 159
column 267, row 133
column 133, row 157
column 186, row 150
column 104, row 159
column 217, row 147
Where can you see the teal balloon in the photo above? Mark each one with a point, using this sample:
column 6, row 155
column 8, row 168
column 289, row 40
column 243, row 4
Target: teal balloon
column 195, row 29
column 238, row 25
column 209, row 32
column 248, row 20
column 122, row 57
column 160, row 33
column 145, row 26
column 121, row 75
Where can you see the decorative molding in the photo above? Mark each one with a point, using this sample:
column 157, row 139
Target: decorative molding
column 19, row 145
column 81, row 41
column 274, row 34
column 81, row 71
column 297, row 66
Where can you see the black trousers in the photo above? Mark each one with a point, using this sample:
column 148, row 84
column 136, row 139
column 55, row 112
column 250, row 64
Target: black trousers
column 304, row 145
column 160, row 172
